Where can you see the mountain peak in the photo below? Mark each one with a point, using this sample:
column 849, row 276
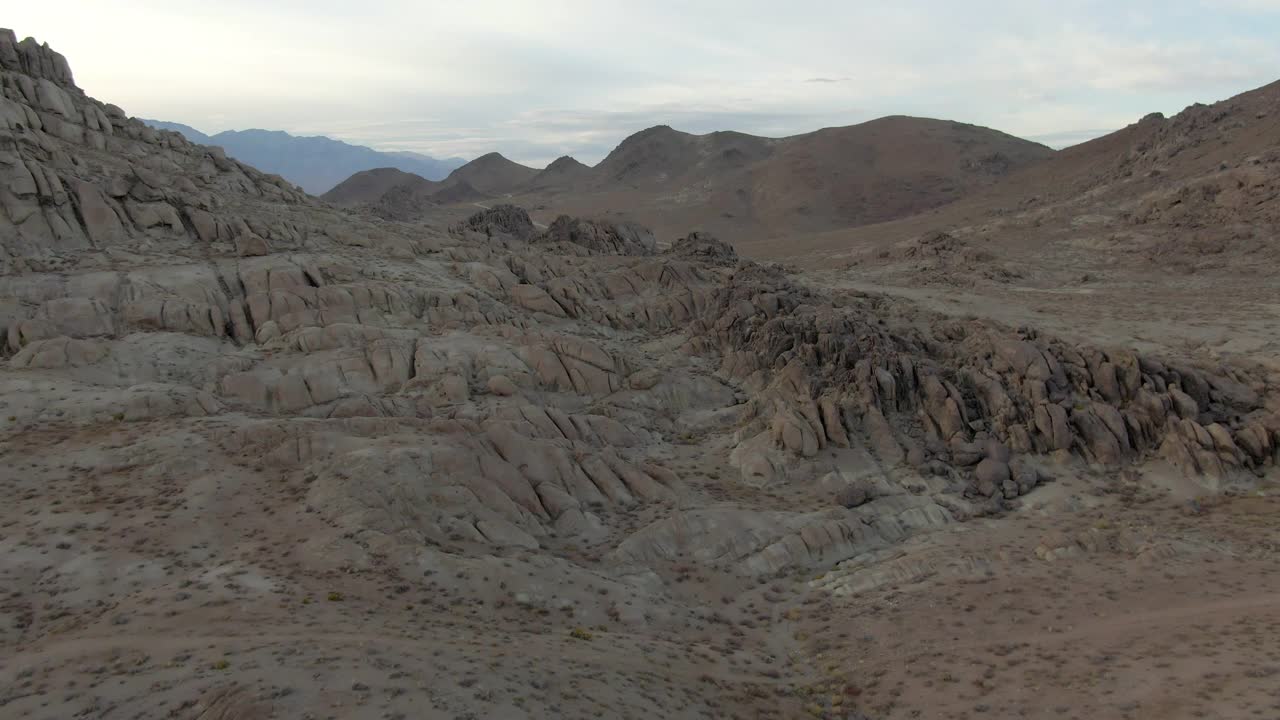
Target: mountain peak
column 260, row 132
column 658, row 130
column 493, row 174
column 657, row 133
column 564, row 163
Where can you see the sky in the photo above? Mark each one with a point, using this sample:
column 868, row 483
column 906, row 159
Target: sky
column 537, row 79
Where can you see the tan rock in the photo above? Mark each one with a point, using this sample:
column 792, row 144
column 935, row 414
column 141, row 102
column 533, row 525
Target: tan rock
column 99, row 219
column 532, row 297
column 250, row 245
column 501, row 386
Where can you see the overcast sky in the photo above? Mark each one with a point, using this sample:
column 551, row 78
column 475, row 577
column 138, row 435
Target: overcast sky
column 537, row 79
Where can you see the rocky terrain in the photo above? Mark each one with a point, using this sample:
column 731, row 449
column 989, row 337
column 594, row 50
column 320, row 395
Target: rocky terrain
column 1160, row 236
column 267, row 457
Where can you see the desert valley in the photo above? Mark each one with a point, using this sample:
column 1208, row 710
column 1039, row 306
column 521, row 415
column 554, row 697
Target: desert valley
column 903, row 419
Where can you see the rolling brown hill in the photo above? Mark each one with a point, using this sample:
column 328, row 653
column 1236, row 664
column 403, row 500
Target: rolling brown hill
column 884, row 169
column 749, row 187
column 1192, row 192
column 1159, row 151
column 493, row 174
column 370, row 185
column 562, row 175
column 398, row 195
column 661, row 157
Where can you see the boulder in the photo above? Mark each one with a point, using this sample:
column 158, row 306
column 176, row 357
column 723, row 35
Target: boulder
column 534, row 298
column 883, row 439
column 100, row 220
column 602, row 236
column 991, row 475
column 704, row 247
column 251, row 245
column 501, row 386
column 499, row 221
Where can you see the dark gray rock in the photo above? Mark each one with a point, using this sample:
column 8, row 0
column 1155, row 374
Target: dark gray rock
column 499, row 221
column 602, row 236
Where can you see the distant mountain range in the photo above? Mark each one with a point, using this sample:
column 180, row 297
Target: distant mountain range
column 730, row 182
column 314, row 163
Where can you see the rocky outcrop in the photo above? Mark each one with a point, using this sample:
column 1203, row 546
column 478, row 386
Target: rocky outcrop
column 704, row 247
column 602, row 236
column 505, row 221
column 144, row 186
column 968, row 395
column 36, row 61
column 497, row 388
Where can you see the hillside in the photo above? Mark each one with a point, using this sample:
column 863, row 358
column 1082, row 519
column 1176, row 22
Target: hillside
column 398, row 192
column 754, row 188
column 1187, row 194
column 316, row 164
column 1160, row 235
column 661, row 157
column 368, row 186
column 751, row 187
column 881, row 170
column 393, row 194
column 492, row 175
column 1159, row 151
column 564, row 174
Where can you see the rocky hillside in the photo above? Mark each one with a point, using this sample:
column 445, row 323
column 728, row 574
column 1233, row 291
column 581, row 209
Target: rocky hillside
column 1200, row 188
column 266, row 456
column 1191, row 195
column 1160, row 151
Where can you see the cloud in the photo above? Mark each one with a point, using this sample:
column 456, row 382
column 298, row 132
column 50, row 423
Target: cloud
column 569, row 76
column 537, row 138
column 1067, row 138
column 1266, row 6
